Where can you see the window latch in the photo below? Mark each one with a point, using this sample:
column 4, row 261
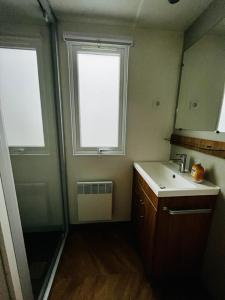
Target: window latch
column 102, row 150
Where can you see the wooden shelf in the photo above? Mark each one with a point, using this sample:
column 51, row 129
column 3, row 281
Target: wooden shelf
column 215, row 148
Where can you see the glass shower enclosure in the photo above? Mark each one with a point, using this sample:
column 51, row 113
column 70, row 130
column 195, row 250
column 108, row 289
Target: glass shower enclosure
column 32, row 131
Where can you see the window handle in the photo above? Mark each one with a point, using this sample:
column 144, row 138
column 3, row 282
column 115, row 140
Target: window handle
column 20, row 150
column 102, row 150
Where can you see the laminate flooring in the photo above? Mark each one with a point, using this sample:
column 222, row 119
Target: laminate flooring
column 103, row 263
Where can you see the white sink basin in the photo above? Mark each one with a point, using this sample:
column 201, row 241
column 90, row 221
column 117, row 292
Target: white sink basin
column 166, row 181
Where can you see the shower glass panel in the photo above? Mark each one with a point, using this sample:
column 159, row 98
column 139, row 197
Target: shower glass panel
column 29, row 115
column 35, row 168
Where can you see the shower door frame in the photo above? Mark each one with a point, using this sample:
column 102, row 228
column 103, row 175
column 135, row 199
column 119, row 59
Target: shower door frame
column 10, row 196
column 12, row 208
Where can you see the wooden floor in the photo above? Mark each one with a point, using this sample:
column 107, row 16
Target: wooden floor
column 102, row 263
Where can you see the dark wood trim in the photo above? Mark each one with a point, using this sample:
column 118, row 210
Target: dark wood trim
column 215, row 148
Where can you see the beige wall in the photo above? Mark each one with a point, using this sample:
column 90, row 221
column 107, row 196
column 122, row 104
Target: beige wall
column 214, row 262
column 153, row 75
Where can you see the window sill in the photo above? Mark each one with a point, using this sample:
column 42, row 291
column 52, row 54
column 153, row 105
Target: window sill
column 95, row 153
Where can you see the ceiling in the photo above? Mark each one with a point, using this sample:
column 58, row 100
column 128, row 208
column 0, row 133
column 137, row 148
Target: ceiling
column 219, row 29
column 18, row 10
column 152, row 13
column 149, row 13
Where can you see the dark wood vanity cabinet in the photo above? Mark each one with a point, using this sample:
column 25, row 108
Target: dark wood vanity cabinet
column 172, row 232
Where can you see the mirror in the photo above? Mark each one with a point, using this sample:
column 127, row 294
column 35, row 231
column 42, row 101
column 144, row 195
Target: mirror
column 201, row 104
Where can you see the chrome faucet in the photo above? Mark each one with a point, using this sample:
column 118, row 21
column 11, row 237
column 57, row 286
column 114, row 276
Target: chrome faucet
column 182, row 161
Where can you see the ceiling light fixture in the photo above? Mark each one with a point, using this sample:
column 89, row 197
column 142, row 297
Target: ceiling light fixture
column 173, row 1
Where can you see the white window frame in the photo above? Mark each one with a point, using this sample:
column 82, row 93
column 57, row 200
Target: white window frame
column 94, row 47
column 25, row 43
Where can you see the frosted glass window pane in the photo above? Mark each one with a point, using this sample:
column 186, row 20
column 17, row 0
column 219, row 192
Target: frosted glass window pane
column 98, row 86
column 20, row 97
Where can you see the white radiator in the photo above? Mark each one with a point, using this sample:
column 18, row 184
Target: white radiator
column 94, row 201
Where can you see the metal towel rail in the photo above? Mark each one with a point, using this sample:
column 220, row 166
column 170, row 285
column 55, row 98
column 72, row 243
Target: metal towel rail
column 187, row 211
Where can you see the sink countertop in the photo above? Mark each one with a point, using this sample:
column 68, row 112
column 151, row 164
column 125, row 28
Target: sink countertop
column 165, row 180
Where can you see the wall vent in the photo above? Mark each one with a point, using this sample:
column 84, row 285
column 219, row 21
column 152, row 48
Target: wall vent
column 101, row 187
column 94, row 200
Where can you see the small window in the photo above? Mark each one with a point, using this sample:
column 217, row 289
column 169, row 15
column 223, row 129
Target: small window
column 20, row 98
column 98, row 83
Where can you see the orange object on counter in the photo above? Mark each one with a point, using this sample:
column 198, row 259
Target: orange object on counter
column 197, row 172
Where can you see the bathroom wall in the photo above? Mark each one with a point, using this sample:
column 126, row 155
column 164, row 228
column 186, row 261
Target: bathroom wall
column 205, row 22
column 213, row 273
column 153, row 75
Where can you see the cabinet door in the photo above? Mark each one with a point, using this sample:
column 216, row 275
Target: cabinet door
column 136, row 205
column 139, row 215
column 183, row 236
column 148, row 230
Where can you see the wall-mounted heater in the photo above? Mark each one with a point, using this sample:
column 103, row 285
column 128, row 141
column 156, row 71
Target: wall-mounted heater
column 94, row 201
